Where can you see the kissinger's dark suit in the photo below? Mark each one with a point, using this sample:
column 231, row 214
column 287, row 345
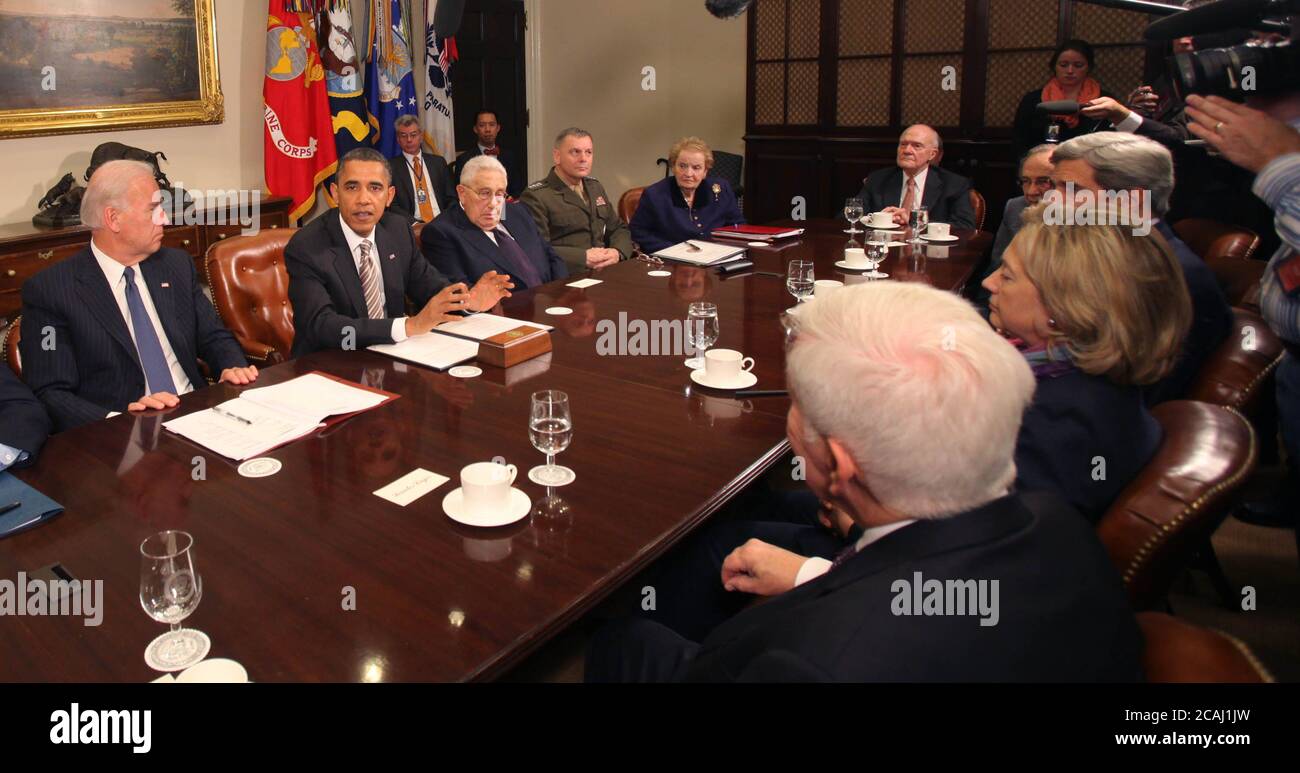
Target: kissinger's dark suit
column 78, row 354
column 24, row 424
column 946, row 195
column 325, row 287
column 1062, row 614
column 460, row 249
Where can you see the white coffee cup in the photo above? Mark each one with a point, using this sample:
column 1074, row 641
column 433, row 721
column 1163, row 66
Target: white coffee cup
column 824, row 286
column 880, row 220
column 724, row 365
column 485, row 486
column 855, row 256
column 214, row 671
column 939, row 230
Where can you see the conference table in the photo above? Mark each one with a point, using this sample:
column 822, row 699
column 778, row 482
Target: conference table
column 309, row 576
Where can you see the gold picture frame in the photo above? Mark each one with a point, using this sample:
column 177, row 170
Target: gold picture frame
column 208, row 108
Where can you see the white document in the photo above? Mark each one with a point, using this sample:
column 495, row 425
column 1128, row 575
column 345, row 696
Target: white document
column 314, row 394
column 411, row 486
column 431, row 350
column 582, row 284
column 481, row 326
column 700, row 253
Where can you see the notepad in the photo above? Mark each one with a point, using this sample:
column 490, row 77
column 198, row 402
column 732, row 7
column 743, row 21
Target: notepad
column 700, row 253
column 431, row 350
column 267, row 417
column 35, row 507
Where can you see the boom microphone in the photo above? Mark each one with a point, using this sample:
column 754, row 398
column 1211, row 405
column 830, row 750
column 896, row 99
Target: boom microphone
column 1225, row 14
column 447, row 17
column 726, row 9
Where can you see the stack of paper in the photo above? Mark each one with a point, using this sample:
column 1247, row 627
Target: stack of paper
column 264, row 418
column 701, row 253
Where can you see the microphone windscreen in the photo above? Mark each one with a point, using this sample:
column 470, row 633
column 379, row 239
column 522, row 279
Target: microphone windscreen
column 1221, row 15
column 447, row 17
column 1059, row 107
column 725, row 9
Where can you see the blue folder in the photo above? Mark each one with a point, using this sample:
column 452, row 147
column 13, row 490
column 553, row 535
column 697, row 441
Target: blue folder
column 36, row 508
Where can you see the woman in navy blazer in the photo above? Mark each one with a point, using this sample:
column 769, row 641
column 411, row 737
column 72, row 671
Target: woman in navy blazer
column 1099, row 313
column 688, row 205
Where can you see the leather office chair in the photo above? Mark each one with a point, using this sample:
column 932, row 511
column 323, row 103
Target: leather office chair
column 416, row 228
column 628, row 202
column 1178, row 651
column 1160, row 521
column 981, row 209
column 9, row 346
column 1239, row 373
column 730, row 167
column 1228, row 250
column 250, row 288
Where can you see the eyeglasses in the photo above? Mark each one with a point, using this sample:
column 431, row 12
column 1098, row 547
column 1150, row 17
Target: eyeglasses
column 486, row 194
column 1040, row 182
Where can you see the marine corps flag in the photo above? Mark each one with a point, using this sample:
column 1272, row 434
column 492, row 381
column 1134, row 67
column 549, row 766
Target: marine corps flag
column 338, row 53
column 390, row 82
column 299, row 149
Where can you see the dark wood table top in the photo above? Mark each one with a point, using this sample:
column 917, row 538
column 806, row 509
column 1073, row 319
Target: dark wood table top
column 435, row 601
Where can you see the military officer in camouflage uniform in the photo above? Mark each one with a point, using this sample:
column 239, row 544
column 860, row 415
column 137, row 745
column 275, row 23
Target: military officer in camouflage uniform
column 573, row 211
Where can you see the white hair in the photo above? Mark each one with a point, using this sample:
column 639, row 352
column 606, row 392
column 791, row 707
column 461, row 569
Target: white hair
column 108, row 187
column 1124, row 162
column 925, row 396
column 480, row 164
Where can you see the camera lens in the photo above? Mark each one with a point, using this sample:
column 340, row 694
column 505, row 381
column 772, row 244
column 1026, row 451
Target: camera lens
column 1232, row 72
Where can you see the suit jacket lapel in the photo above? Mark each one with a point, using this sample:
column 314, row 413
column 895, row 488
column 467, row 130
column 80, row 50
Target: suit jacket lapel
column 346, row 267
column 933, row 187
column 390, row 270
column 97, row 296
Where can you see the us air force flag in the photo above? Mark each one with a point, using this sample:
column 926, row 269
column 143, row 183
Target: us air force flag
column 440, row 52
column 338, row 53
column 390, row 83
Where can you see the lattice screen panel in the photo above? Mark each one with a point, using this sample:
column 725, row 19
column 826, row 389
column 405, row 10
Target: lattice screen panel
column 769, row 93
column 805, row 29
column 1099, row 24
column 1119, row 70
column 866, row 27
column 803, row 92
column 934, row 25
column 863, row 93
column 1023, row 23
column 1010, row 75
column 924, row 99
column 769, row 34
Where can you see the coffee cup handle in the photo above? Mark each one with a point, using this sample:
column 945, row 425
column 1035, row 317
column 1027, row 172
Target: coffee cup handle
column 513, row 472
column 747, row 364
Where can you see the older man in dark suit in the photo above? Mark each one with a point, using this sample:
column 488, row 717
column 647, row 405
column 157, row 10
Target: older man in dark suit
column 485, row 233
column 916, row 182
column 24, row 424
column 122, row 324
column 352, row 269
column 953, row 577
column 421, row 182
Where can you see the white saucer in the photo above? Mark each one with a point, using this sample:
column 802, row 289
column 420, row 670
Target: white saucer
column 844, row 264
column 559, row 311
column 518, row 505
column 949, row 238
column 891, row 230
column 659, row 273
column 744, row 381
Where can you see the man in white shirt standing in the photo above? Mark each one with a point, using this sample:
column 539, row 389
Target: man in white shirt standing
column 122, row 324
column 421, row 182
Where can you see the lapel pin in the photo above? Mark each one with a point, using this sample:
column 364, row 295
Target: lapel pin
column 166, row 284
column 392, row 256
column 717, row 191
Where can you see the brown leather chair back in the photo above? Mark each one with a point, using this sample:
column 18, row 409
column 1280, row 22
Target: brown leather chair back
column 1178, row 651
column 1238, row 373
column 981, row 209
column 1165, row 514
column 417, row 228
column 1228, row 251
column 250, row 287
column 9, row 346
column 628, row 202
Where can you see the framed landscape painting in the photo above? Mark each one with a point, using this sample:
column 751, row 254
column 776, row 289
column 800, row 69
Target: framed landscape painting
column 70, row 66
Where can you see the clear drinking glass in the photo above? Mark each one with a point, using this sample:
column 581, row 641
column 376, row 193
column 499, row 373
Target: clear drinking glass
column 550, row 428
column 853, row 213
column 799, row 279
column 877, row 250
column 702, row 330
column 170, row 590
column 919, row 219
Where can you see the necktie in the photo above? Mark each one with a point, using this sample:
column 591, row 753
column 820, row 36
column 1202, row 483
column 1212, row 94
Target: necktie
column 492, row 151
column 157, row 375
column 521, row 267
column 909, row 197
column 370, row 283
column 426, row 208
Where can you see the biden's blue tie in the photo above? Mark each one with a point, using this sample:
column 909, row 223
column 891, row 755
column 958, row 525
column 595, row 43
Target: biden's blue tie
column 156, row 372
